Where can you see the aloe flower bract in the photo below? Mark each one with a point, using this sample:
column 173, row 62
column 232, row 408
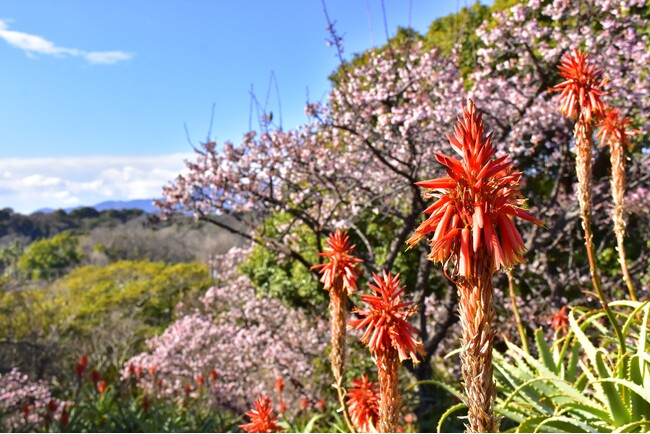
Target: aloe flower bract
column 262, row 418
column 582, row 87
column 341, row 264
column 475, row 204
column 390, row 338
column 363, row 403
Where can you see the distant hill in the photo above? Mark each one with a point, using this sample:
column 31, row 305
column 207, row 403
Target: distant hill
column 145, row 205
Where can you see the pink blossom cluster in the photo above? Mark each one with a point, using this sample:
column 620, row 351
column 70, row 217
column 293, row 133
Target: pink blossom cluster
column 26, row 405
column 247, row 341
column 512, row 90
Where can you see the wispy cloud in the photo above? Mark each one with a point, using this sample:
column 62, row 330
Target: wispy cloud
column 27, row 184
column 34, row 44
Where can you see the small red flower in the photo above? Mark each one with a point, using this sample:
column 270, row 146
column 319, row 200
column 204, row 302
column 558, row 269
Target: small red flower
column 146, row 403
column 25, row 409
column 560, row 320
column 475, row 204
column 188, row 388
column 283, row 407
column 65, row 417
column 320, row 405
column 304, row 403
column 213, row 375
column 81, row 366
column 52, row 405
column 582, row 87
column 363, row 403
column 199, row 380
column 614, row 129
column 131, row 370
column 94, row 376
column 138, row 372
column 279, row 385
column 262, row 419
column 386, row 319
column 341, row 265
column 101, row 387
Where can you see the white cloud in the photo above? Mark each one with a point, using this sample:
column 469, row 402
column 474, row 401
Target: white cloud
column 34, row 44
column 106, row 57
column 68, row 181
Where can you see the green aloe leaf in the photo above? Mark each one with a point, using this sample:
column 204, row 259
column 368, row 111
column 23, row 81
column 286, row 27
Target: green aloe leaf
column 544, row 351
column 642, row 392
column 632, row 425
column 640, row 408
column 566, row 424
column 619, row 412
column 453, row 409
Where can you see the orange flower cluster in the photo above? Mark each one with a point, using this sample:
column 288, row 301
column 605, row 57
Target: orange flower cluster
column 613, row 128
column 475, row 204
column 582, row 87
column 262, row 418
column 341, row 265
column 363, row 403
column 386, row 319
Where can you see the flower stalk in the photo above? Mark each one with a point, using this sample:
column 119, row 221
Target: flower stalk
column 472, row 234
column 580, row 97
column 613, row 132
column 339, row 277
column 390, row 339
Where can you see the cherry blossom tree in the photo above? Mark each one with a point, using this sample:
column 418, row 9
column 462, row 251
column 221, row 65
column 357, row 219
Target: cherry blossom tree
column 354, row 165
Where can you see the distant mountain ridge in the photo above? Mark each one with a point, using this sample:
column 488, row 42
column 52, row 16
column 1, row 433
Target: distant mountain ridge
column 145, row 205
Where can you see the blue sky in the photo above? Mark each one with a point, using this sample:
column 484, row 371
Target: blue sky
column 94, row 96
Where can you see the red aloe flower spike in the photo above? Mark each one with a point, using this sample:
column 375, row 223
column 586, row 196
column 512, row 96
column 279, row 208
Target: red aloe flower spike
column 101, row 387
column 560, row 320
column 613, row 131
column 390, row 338
column 279, row 384
column 81, row 366
column 475, row 203
column 262, row 419
column 613, row 128
column 472, row 225
column 65, row 417
column 339, row 277
column 581, row 95
column 386, row 319
column 582, row 87
column 341, row 265
column 363, row 403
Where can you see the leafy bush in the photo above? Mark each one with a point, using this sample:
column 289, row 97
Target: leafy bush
column 602, row 388
column 108, row 311
column 50, row 257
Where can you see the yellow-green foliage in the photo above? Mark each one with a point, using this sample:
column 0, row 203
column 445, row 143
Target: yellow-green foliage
column 47, row 256
column 130, row 299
